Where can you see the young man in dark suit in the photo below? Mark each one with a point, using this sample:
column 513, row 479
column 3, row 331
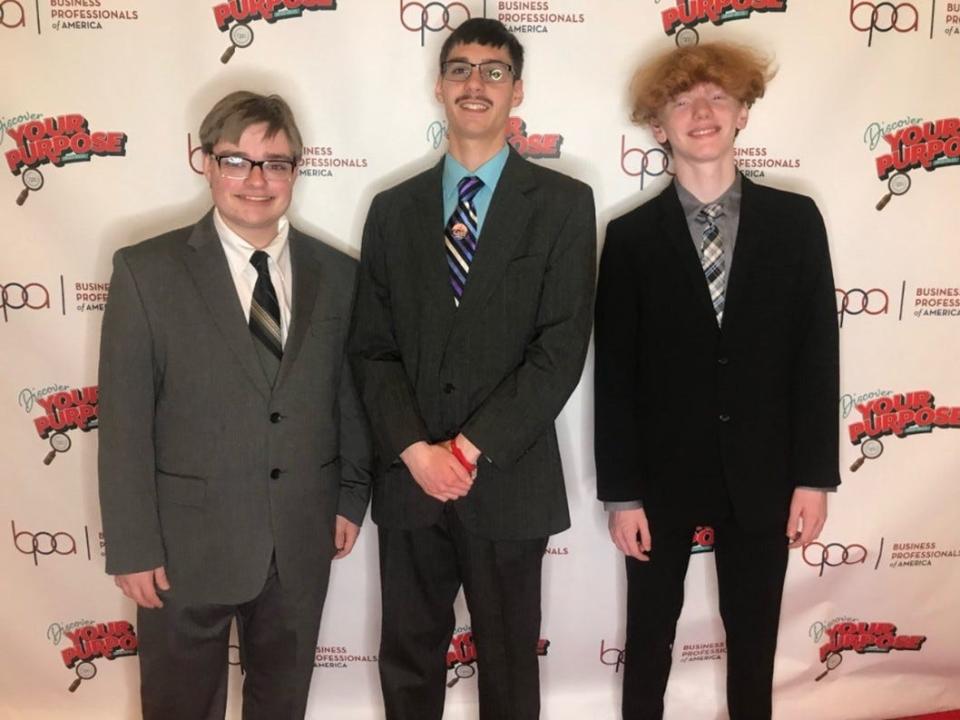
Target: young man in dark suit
column 716, row 378
column 472, row 320
column 234, row 453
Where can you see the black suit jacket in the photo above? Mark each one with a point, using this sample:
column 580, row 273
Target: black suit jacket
column 499, row 368
column 690, row 416
column 191, row 429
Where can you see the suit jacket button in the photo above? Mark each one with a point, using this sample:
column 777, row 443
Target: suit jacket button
column 724, row 418
column 275, row 474
column 449, row 388
column 275, row 417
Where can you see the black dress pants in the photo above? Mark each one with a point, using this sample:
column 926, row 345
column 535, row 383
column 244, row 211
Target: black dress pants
column 751, row 567
column 421, row 572
column 183, row 655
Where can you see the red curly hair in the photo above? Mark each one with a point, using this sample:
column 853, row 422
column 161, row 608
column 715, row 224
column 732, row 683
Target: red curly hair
column 741, row 71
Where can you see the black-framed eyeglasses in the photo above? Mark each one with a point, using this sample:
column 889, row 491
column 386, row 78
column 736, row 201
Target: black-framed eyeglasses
column 491, row 71
column 237, row 167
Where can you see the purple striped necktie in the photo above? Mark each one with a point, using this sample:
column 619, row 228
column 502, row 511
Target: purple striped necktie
column 460, row 235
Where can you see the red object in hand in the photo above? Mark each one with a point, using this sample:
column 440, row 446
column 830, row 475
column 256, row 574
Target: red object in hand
column 461, row 458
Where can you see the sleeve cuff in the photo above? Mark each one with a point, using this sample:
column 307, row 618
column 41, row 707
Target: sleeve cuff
column 622, row 505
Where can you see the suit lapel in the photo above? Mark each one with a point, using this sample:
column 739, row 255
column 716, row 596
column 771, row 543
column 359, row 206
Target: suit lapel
column 750, row 229
column 506, row 221
column 675, row 230
column 211, row 275
column 306, row 283
column 425, row 222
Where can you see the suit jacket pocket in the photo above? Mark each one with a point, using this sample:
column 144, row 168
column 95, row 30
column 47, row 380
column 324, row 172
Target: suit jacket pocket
column 181, row 489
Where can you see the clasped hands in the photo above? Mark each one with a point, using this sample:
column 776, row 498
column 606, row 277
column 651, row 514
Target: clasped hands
column 437, row 470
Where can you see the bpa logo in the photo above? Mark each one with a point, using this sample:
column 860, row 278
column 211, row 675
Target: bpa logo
column 17, row 296
column 12, row 14
column 612, row 656
column 857, row 301
column 43, row 543
column 637, row 162
column 866, row 16
column 433, row 16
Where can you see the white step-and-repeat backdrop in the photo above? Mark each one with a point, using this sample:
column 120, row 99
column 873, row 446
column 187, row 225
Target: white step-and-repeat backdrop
column 100, row 110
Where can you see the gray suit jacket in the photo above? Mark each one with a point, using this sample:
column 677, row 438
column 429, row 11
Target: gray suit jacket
column 204, row 468
column 499, row 368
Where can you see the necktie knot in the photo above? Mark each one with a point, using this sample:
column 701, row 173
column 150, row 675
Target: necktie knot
column 709, row 213
column 260, row 260
column 468, row 188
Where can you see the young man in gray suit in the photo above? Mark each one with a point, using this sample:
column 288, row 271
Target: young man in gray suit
column 233, row 449
column 472, row 320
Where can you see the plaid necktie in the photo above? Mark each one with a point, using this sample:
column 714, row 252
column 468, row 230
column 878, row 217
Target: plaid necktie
column 265, row 317
column 712, row 256
column 460, row 235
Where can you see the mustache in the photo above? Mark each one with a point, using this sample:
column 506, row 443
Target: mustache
column 474, row 98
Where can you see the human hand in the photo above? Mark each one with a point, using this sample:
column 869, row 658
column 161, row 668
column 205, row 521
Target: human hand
column 808, row 513
column 438, row 473
column 141, row 587
column 344, row 536
column 625, row 527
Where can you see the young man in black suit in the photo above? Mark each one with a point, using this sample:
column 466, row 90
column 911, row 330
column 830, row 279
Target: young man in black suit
column 473, row 314
column 716, row 378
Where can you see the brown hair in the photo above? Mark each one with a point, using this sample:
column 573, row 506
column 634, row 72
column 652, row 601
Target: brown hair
column 741, row 71
column 239, row 110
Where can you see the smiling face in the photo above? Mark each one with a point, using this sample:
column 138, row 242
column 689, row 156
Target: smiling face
column 701, row 124
column 477, row 111
column 251, row 207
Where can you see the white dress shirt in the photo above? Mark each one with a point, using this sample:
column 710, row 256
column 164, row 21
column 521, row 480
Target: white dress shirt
column 239, row 252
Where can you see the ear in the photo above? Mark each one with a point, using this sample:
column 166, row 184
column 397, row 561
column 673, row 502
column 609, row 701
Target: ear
column 438, row 89
column 517, row 94
column 209, row 168
column 659, row 134
column 742, row 116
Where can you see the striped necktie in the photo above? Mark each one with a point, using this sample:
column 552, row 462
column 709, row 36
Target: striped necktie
column 265, row 317
column 460, row 235
column 712, row 256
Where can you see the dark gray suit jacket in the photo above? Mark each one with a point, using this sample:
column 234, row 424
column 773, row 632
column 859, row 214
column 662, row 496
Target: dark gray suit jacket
column 191, row 430
column 499, row 368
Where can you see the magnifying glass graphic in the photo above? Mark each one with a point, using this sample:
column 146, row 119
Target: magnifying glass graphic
column 241, row 36
column 833, row 661
column 32, row 180
column 461, row 671
column 85, row 671
column 686, row 37
column 870, row 450
column 59, row 443
column 898, row 184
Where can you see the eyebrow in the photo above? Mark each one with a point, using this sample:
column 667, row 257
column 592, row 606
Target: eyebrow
column 241, row 154
column 460, row 58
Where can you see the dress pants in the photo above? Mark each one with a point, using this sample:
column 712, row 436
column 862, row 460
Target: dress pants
column 183, row 655
column 420, row 573
column 751, row 567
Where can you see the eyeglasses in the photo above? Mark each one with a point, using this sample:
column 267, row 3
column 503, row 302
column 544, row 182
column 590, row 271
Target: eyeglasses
column 491, row 71
column 236, row 167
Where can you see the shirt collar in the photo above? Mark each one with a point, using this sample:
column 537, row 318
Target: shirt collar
column 489, row 172
column 729, row 199
column 237, row 245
